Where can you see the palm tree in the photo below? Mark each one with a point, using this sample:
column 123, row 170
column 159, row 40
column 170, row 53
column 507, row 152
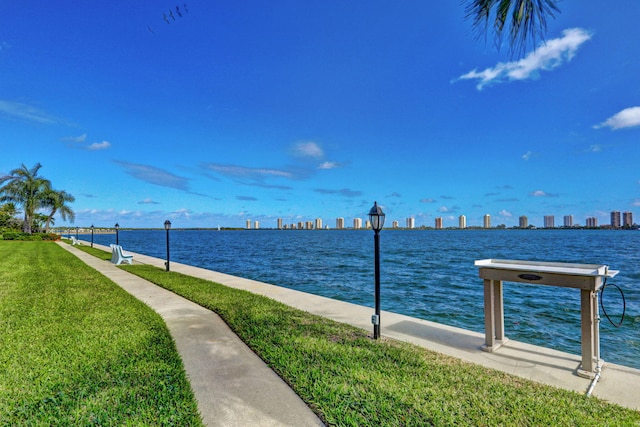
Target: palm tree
column 526, row 19
column 57, row 202
column 24, row 187
column 38, row 220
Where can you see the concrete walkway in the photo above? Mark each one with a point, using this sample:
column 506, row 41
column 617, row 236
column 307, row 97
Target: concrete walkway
column 618, row 384
column 233, row 386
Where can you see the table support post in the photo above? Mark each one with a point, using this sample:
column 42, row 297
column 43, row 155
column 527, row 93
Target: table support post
column 590, row 330
column 498, row 308
column 493, row 315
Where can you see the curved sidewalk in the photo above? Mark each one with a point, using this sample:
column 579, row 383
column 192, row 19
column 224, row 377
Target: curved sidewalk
column 618, row 384
column 233, row 386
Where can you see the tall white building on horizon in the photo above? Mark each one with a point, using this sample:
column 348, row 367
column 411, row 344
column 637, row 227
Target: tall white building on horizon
column 411, row 222
column 523, row 222
column 568, row 220
column 616, row 221
column 340, row 223
column 487, row 221
column 549, row 221
column 357, row 223
column 462, row 221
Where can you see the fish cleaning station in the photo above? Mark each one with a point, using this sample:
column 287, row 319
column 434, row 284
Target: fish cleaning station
column 589, row 278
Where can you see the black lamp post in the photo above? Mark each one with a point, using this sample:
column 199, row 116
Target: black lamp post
column 376, row 217
column 117, row 227
column 167, row 226
column 92, row 235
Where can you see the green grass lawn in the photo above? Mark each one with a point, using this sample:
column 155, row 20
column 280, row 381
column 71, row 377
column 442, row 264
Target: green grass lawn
column 347, row 378
column 75, row 349
column 351, row 380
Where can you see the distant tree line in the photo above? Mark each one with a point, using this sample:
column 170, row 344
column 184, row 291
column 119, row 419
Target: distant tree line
column 24, row 191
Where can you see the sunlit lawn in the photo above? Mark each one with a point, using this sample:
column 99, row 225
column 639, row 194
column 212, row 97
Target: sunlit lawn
column 351, row 380
column 75, row 349
column 347, row 378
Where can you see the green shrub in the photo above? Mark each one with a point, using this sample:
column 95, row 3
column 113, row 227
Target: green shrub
column 13, row 235
column 50, row 237
column 19, row 235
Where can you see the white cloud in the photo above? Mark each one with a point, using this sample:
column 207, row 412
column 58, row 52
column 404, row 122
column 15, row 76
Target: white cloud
column 548, row 56
column 594, row 148
column 540, row 193
column 629, row 117
column 308, row 149
column 328, row 165
column 505, row 213
column 99, row 146
column 246, row 172
column 25, row 112
column 148, row 201
column 343, row 192
column 527, row 155
column 154, row 175
column 184, row 212
column 75, row 139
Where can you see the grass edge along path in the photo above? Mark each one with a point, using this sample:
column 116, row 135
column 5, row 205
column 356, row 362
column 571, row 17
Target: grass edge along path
column 351, row 380
column 76, row 349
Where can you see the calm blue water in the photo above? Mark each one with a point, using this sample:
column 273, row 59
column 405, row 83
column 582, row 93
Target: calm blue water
column 429, row 274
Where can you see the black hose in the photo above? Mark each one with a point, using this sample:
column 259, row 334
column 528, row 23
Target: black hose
column 624, row 303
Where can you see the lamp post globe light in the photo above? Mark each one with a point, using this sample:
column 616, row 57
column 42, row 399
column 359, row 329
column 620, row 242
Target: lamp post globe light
column 376, row 218
column 117, row 227
column 92, row 228
column 167, row 227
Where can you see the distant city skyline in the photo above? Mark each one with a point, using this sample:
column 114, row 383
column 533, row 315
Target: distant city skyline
column 617, row 220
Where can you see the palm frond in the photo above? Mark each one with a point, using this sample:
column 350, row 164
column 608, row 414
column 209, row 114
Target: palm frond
column 525, row 21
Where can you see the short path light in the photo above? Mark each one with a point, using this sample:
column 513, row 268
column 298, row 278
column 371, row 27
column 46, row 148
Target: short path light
column 117, row 227
column 376, row 217
column 167, row 226
column 92, row 228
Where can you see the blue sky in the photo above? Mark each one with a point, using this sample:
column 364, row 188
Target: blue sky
column 302, row 110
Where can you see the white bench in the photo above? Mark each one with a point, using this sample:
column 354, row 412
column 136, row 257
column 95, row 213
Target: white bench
column 118, row 256
column 74, row 241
